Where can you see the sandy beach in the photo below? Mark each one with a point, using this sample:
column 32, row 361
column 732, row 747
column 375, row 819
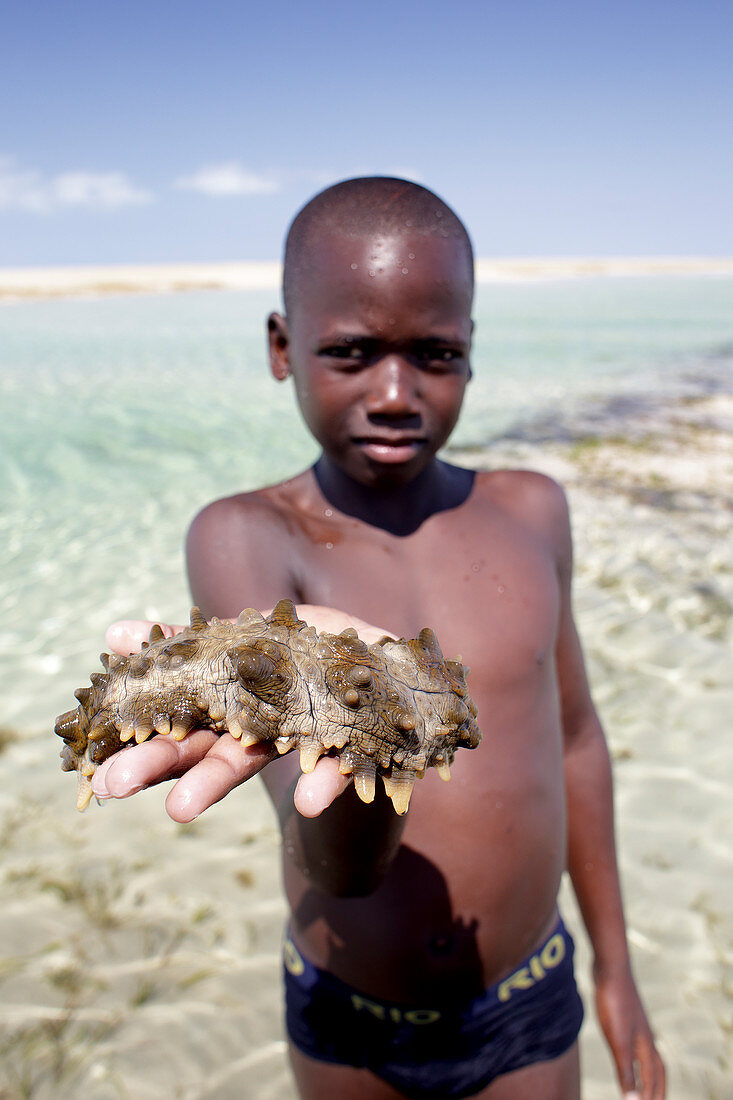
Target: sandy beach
column 140, row 958
column 18, row 284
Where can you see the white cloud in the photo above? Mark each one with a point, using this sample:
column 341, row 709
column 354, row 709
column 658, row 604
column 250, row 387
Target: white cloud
column 107, row 190
column 26, row 189
column 19, row 188
column 229, row 178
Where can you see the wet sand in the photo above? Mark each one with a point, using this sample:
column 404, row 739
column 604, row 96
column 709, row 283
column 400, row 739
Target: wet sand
column 139, row 958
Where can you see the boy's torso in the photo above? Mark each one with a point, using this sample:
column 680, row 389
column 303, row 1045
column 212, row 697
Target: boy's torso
column 473, row 888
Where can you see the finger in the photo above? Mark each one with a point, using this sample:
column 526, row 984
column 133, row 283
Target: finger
column 332, row 621
column 624, row 1058
column 127, row 635
column 225, row 766
column 371, row 634
column 627, row 1080
column 156, row 760
column 651, row 1068
column 316, row 790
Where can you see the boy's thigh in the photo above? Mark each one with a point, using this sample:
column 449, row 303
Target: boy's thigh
column 318, row 1080
column 558, row 1079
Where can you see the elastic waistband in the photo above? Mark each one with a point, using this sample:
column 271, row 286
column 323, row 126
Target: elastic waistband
column 555, row 954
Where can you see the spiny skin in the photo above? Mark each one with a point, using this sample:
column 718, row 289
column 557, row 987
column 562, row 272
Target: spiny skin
column 392, row 707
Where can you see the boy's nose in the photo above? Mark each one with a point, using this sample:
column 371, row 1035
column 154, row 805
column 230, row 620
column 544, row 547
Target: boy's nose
column 393, row 389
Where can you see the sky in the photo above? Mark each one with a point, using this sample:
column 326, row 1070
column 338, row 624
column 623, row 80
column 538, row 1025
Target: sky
column 154, row 131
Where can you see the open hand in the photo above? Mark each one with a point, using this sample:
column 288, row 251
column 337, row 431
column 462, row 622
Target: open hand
column 209, row 766
column 639, row 1067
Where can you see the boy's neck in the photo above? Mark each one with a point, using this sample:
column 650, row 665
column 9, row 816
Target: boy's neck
column 399, row 509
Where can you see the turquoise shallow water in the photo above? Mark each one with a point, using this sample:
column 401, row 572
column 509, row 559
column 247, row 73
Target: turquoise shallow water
column 142, row 958
column 123, row 416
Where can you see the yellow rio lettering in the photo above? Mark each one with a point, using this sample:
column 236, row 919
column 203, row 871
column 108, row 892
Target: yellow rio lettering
column 292, row 959
column 417, row 1016
column 422, row 1016
column 371, row 1006
column 551, row 955
column 535, row 967
column 520, row 979
column 553, row 952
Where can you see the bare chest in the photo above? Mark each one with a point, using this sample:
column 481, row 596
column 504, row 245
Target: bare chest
column 487, row 587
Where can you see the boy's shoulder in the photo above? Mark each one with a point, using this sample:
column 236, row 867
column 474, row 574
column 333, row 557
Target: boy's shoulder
column 243, row 542
column 510, row 479
column 268, row 506
column 283, row 508
column 247, row 546
column 533, row 502
column 527, row 494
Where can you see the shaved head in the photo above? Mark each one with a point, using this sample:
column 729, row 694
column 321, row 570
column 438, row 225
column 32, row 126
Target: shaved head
column 366, row 207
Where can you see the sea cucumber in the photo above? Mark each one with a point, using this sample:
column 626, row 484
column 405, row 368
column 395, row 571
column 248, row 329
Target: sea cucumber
column 393, row 708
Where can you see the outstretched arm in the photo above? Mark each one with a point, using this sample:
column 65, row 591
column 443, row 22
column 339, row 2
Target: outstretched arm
column 346, row 848
column 342, row 845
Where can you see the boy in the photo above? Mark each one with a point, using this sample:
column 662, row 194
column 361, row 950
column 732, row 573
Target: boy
column 425, row 955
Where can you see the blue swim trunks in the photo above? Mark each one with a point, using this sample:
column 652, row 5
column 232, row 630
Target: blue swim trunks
column 432, row 1052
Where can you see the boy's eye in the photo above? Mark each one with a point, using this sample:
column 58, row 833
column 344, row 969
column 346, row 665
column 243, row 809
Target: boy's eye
column 350, row 353
column 427, row 356
column 439, row 357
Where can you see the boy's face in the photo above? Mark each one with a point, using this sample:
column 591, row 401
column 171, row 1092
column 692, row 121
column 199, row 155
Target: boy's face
column 378, row 344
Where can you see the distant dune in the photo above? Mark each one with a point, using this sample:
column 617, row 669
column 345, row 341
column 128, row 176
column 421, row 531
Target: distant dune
column 574, row 267
column 62, row 282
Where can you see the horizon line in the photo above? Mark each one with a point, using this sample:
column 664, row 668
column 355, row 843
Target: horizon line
column 72, row 280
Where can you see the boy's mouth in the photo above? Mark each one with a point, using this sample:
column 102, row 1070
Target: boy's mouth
column 390, row 448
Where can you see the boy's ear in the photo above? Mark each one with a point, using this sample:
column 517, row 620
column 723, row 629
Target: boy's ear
column 279, row 344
